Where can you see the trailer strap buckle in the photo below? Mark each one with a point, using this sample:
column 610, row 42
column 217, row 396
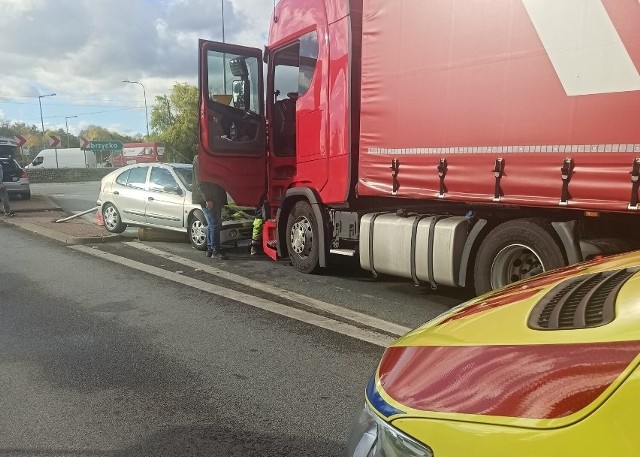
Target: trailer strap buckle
column 567, row 172
column 442, row 173
column 395, row 169
column 498, row 172
column 635, row 184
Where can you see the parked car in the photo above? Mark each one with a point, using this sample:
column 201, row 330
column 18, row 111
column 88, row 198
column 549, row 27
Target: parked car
column 545, row 367
column 15, row 178
column 159, row 196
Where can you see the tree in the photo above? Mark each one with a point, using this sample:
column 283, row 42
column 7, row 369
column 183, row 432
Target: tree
column 174, row 121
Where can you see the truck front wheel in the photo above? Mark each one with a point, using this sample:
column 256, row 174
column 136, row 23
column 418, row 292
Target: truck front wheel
column 516, row 250
column 302, row 238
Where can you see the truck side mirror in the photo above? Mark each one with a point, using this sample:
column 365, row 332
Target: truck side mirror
column 238, row 94
column 239, row 68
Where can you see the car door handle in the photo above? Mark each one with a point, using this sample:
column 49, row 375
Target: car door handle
column 116, row 193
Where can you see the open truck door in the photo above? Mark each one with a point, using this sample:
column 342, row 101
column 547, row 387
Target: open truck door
column 232, row 130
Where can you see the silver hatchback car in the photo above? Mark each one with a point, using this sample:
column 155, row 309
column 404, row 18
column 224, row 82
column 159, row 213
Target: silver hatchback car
column 159, row 196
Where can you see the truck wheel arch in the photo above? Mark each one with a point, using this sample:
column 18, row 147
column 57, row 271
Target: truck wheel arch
column 292, row 196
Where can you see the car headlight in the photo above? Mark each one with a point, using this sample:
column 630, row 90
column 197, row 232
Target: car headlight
column 373, row 437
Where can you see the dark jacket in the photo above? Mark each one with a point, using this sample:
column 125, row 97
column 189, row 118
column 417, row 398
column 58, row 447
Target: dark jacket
column 205, row 191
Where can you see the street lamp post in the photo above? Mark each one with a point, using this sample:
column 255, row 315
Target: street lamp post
column 65, row 123
column 146, row 111
column 40, row 97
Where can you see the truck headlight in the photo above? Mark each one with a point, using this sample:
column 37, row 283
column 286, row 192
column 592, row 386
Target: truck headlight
column 373, row 437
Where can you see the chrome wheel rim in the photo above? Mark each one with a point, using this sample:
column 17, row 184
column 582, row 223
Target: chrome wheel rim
column 111, row 218
column 301, row 237
column 198, row 232
column 513, row 263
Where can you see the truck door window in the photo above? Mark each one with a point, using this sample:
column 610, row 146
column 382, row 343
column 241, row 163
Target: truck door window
column 286, row 69
column 293, row 70
column 234, row 100
column 308, row 60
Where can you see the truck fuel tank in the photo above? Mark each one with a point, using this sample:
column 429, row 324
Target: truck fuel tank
column 423, row 248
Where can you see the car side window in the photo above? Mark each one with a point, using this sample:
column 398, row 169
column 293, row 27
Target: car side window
column 123, row 177
column 138, row 177
column 161, row 177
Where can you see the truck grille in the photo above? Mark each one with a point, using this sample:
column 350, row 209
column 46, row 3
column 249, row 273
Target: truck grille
column 583, row 302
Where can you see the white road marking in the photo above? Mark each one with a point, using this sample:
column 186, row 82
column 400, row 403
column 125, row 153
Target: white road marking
column 257, row 302
column 369, row 321
column 584, row 46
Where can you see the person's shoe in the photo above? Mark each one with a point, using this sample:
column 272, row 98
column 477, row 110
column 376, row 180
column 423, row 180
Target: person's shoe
column 209, row 253
column 254, row 249
column 10, row 214
column 219, row 255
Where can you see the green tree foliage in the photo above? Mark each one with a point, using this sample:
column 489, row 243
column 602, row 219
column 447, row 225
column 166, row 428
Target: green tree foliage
column 174, row 121
column 97, row 133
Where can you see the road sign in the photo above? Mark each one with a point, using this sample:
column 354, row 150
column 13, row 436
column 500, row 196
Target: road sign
column 83, row 143
column 20, row 140
column 54, row 141
column 107, row 146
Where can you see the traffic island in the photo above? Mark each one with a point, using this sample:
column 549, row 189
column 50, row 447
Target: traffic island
column 39, row 215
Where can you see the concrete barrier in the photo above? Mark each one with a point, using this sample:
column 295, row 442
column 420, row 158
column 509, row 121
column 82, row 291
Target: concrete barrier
column 43, row 175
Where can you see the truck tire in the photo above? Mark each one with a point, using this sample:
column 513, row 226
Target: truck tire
column 516, row 250
column 112, row 220
column 302, row 238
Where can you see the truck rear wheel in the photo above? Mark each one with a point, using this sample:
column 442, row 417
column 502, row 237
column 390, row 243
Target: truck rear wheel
column 516, row 250
column 302, row 238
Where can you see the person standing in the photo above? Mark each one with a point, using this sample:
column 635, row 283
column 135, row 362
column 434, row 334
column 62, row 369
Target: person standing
column 211, row 198
column 4, row 196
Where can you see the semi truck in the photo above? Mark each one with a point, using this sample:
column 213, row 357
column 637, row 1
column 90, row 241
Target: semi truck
column 463, row 144
column 137, row 153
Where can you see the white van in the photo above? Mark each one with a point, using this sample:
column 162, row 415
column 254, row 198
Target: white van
column 64, row 158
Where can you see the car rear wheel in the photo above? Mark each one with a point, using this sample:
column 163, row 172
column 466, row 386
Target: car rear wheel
column 112, row 220
column 25, row 195
column 198, row 233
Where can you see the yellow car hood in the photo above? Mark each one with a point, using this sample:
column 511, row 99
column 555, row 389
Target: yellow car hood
column 541, row 353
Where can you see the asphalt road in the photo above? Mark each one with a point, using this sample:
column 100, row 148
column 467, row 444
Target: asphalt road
column 130, row 348
column 99, row 359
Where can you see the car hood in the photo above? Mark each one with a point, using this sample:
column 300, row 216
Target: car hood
column 542, row 353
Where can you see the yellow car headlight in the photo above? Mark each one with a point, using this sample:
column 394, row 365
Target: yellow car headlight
column 373, row 437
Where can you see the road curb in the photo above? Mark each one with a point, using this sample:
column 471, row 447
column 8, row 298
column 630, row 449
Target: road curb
column 60, row 236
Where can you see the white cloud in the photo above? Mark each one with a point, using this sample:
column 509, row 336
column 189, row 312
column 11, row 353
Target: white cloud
column 83, row 49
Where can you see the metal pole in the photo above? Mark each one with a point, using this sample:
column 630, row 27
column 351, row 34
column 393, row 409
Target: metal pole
column 224, row 56
column 67, row 124
column 44, row 138
column 144, row 92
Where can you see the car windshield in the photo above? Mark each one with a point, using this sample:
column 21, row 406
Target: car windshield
column 186, row 176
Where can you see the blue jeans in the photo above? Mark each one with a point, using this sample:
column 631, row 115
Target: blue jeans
column 214, row 225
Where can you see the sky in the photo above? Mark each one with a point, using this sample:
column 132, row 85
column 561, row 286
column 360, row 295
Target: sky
column 81, row 50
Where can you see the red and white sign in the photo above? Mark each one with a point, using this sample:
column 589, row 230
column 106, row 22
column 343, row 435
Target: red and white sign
column 20, row 140
column 54, row 141
column 83, row 142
